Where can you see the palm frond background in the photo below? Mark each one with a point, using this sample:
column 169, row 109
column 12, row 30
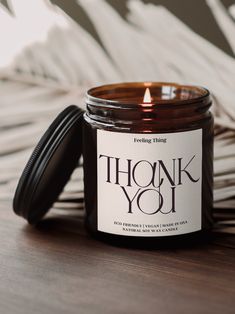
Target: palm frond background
column 48, row 60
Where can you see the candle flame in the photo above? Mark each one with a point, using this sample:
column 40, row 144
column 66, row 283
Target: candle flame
column 147, row 96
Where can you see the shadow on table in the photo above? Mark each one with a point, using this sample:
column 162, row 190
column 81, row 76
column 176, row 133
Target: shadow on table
column 69, row 226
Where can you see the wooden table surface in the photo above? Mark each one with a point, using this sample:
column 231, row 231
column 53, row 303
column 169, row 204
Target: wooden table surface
column 58, row 268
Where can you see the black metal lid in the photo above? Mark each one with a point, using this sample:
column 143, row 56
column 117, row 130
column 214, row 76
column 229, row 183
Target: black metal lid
column 50, row 165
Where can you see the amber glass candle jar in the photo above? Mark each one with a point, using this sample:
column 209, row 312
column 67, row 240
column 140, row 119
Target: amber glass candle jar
column 148, row 162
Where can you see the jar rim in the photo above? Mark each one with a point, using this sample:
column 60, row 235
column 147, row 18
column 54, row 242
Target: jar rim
column 186, row 94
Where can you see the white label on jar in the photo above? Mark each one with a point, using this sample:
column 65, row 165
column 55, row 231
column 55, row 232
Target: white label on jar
column 149, row 184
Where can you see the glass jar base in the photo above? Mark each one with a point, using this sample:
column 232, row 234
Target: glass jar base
column 185, row 241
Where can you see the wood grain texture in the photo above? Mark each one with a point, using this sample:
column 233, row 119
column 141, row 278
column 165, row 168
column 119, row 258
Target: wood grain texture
column 58, row 268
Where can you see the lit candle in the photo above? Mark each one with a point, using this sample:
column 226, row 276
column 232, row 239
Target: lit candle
column 148, row 163
column 152, row 183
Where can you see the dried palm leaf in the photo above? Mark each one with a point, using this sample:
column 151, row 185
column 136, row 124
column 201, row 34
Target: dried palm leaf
column 43, row 69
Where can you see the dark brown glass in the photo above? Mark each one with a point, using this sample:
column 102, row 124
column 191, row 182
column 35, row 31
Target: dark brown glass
column 174, row 108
